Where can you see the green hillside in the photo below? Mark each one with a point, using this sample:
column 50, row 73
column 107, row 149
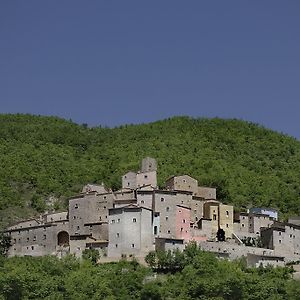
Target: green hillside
column 42, row 156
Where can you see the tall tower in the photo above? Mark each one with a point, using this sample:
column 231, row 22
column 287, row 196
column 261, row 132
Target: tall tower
column 148, row 164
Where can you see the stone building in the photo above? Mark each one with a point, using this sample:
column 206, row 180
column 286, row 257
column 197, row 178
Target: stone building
column 283, row 238
column 130, row 231
column 258, row 221
column 146, row 176
column 36, row 237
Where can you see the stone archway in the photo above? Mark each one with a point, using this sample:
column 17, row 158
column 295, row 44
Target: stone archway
column 63, row 238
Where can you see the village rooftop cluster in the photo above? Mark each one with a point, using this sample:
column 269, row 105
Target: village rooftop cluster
column 140, row 218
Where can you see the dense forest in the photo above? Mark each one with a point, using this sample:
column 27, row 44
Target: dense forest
column 42, row 157
column 192, row 274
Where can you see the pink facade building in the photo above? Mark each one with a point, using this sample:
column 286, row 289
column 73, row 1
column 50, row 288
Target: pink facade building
column 183, row 220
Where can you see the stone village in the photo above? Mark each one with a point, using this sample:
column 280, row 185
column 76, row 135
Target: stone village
column 140, row 218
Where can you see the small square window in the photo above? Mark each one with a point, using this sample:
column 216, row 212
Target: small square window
column 118, row 234
column 132, row 246
column 134, row 220
column 162, row 199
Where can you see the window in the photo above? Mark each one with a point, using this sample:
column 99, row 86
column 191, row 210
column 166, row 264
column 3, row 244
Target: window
column 76, row 205
column 27, row 239
column 128, row 184
column 227, row 225
column 34, row 238
column 116, row 245
column 44, row 237
column 162, row 199
column 167, row 218
column 243, row 225
column 32, row 247
column 214, row 217
column 91, row 227
column 279, row 241
column 181, row 229
column 78, row 227
column 74, row 217
column 169, row 231
column 119, row 220
column 118, row 234
column 168, row 208
column 183, row 221
column 112, row 221
column 134, row 220
column 142, row 201
column 279, row 233
column 104, row 197
column 145, row 176
column 227, row 213
column 132, row 245
column 155, row 229
column 196, row 218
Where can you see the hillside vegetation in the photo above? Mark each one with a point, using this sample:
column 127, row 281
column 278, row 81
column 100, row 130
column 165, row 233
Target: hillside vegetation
column 44, row 156
column 192, row 274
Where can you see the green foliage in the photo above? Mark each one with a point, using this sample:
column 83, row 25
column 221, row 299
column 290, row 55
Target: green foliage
column 5, row 243
column 91, row 254
column 44, row 156
column 201, row 276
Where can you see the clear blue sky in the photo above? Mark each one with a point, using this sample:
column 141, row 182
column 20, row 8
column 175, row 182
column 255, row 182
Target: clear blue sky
column 117, row 62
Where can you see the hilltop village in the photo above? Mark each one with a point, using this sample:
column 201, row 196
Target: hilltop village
column 140, row 218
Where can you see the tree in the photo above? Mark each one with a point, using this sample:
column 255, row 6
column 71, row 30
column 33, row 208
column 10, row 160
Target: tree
column 5, row 243
column 91, row 254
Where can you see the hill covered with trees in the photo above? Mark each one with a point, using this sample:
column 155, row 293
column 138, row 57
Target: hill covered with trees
column 49, row 156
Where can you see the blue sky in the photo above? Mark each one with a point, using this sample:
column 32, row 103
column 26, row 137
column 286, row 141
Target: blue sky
column 117, row 62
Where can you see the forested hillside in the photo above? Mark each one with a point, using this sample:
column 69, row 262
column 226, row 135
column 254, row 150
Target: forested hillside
column 44, row 156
